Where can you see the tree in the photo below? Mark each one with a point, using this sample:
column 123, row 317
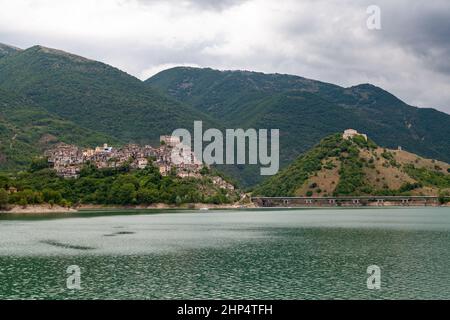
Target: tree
column 39, row 164
column 3, row 198
column 147, row 196
column 173, row 172
column 204, row 171
column 23, row 202
column 123, row 194
column 51, row 195
column 4, row 182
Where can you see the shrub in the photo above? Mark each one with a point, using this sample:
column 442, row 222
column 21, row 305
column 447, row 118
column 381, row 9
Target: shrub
column 51, row 195
column 387, row 155
column 410, row 186
column 39, row 164
column 23, row 202
column 147, row 196
column 4, row 182
column 3, row 198
column 204, row 171
column 123, row 193
column 444, row 199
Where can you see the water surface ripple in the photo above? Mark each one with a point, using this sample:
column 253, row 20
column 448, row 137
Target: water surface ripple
column 255, row 254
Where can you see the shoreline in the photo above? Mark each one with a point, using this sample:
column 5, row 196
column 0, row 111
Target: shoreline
column 187, row 206
column 43, row 209
column 37, row 209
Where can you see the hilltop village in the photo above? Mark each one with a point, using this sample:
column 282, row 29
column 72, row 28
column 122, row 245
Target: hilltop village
column 349, row 169
column 67, row 160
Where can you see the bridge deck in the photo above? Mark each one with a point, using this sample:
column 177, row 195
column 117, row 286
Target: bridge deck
column 346, row 201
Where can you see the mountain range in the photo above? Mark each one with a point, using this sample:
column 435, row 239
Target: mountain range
column 306, row 110
column 68, row 98
column 48, row 95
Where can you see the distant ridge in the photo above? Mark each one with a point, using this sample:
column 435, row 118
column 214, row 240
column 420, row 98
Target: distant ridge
column 115, row 105
column 6, row 50
column 306, row 110
column 94, row 95
column 48, row 95
column 26, row 130
column 61, row 53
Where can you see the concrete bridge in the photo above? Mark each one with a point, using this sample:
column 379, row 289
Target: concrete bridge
column 345, row 201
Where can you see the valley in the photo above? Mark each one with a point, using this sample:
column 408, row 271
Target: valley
column 49, row 96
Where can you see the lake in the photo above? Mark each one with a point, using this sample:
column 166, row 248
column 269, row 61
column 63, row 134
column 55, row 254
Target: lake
column 226, row 254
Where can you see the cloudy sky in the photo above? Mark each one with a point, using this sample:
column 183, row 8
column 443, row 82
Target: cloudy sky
column 326, row 40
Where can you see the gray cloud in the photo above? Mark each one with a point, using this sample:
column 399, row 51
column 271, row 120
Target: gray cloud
column 423, row 28
column 321, row 39
column 199, row 4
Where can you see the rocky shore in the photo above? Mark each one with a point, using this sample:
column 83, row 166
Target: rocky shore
column 39, row 209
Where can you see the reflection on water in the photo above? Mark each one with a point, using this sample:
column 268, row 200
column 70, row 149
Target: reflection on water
column 293, row 254
column 64, row 245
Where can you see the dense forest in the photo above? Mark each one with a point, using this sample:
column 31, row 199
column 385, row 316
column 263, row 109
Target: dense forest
column 119, row 186
column 27, row 129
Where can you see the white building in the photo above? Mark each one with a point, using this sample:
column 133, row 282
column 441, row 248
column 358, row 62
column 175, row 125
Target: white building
column 351, row 133
column 105, row 148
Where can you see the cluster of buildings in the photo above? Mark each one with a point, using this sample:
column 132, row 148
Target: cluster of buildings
column 68, row 160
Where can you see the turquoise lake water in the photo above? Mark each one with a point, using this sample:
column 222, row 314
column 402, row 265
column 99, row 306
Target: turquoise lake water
column 224, row 254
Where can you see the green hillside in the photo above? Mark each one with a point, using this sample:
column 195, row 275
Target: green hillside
column 340, row 167
column 93, row 95
column 305, row 110
column 84, row 101
column 6, row 50
column 111, row 186
column 26, row 130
